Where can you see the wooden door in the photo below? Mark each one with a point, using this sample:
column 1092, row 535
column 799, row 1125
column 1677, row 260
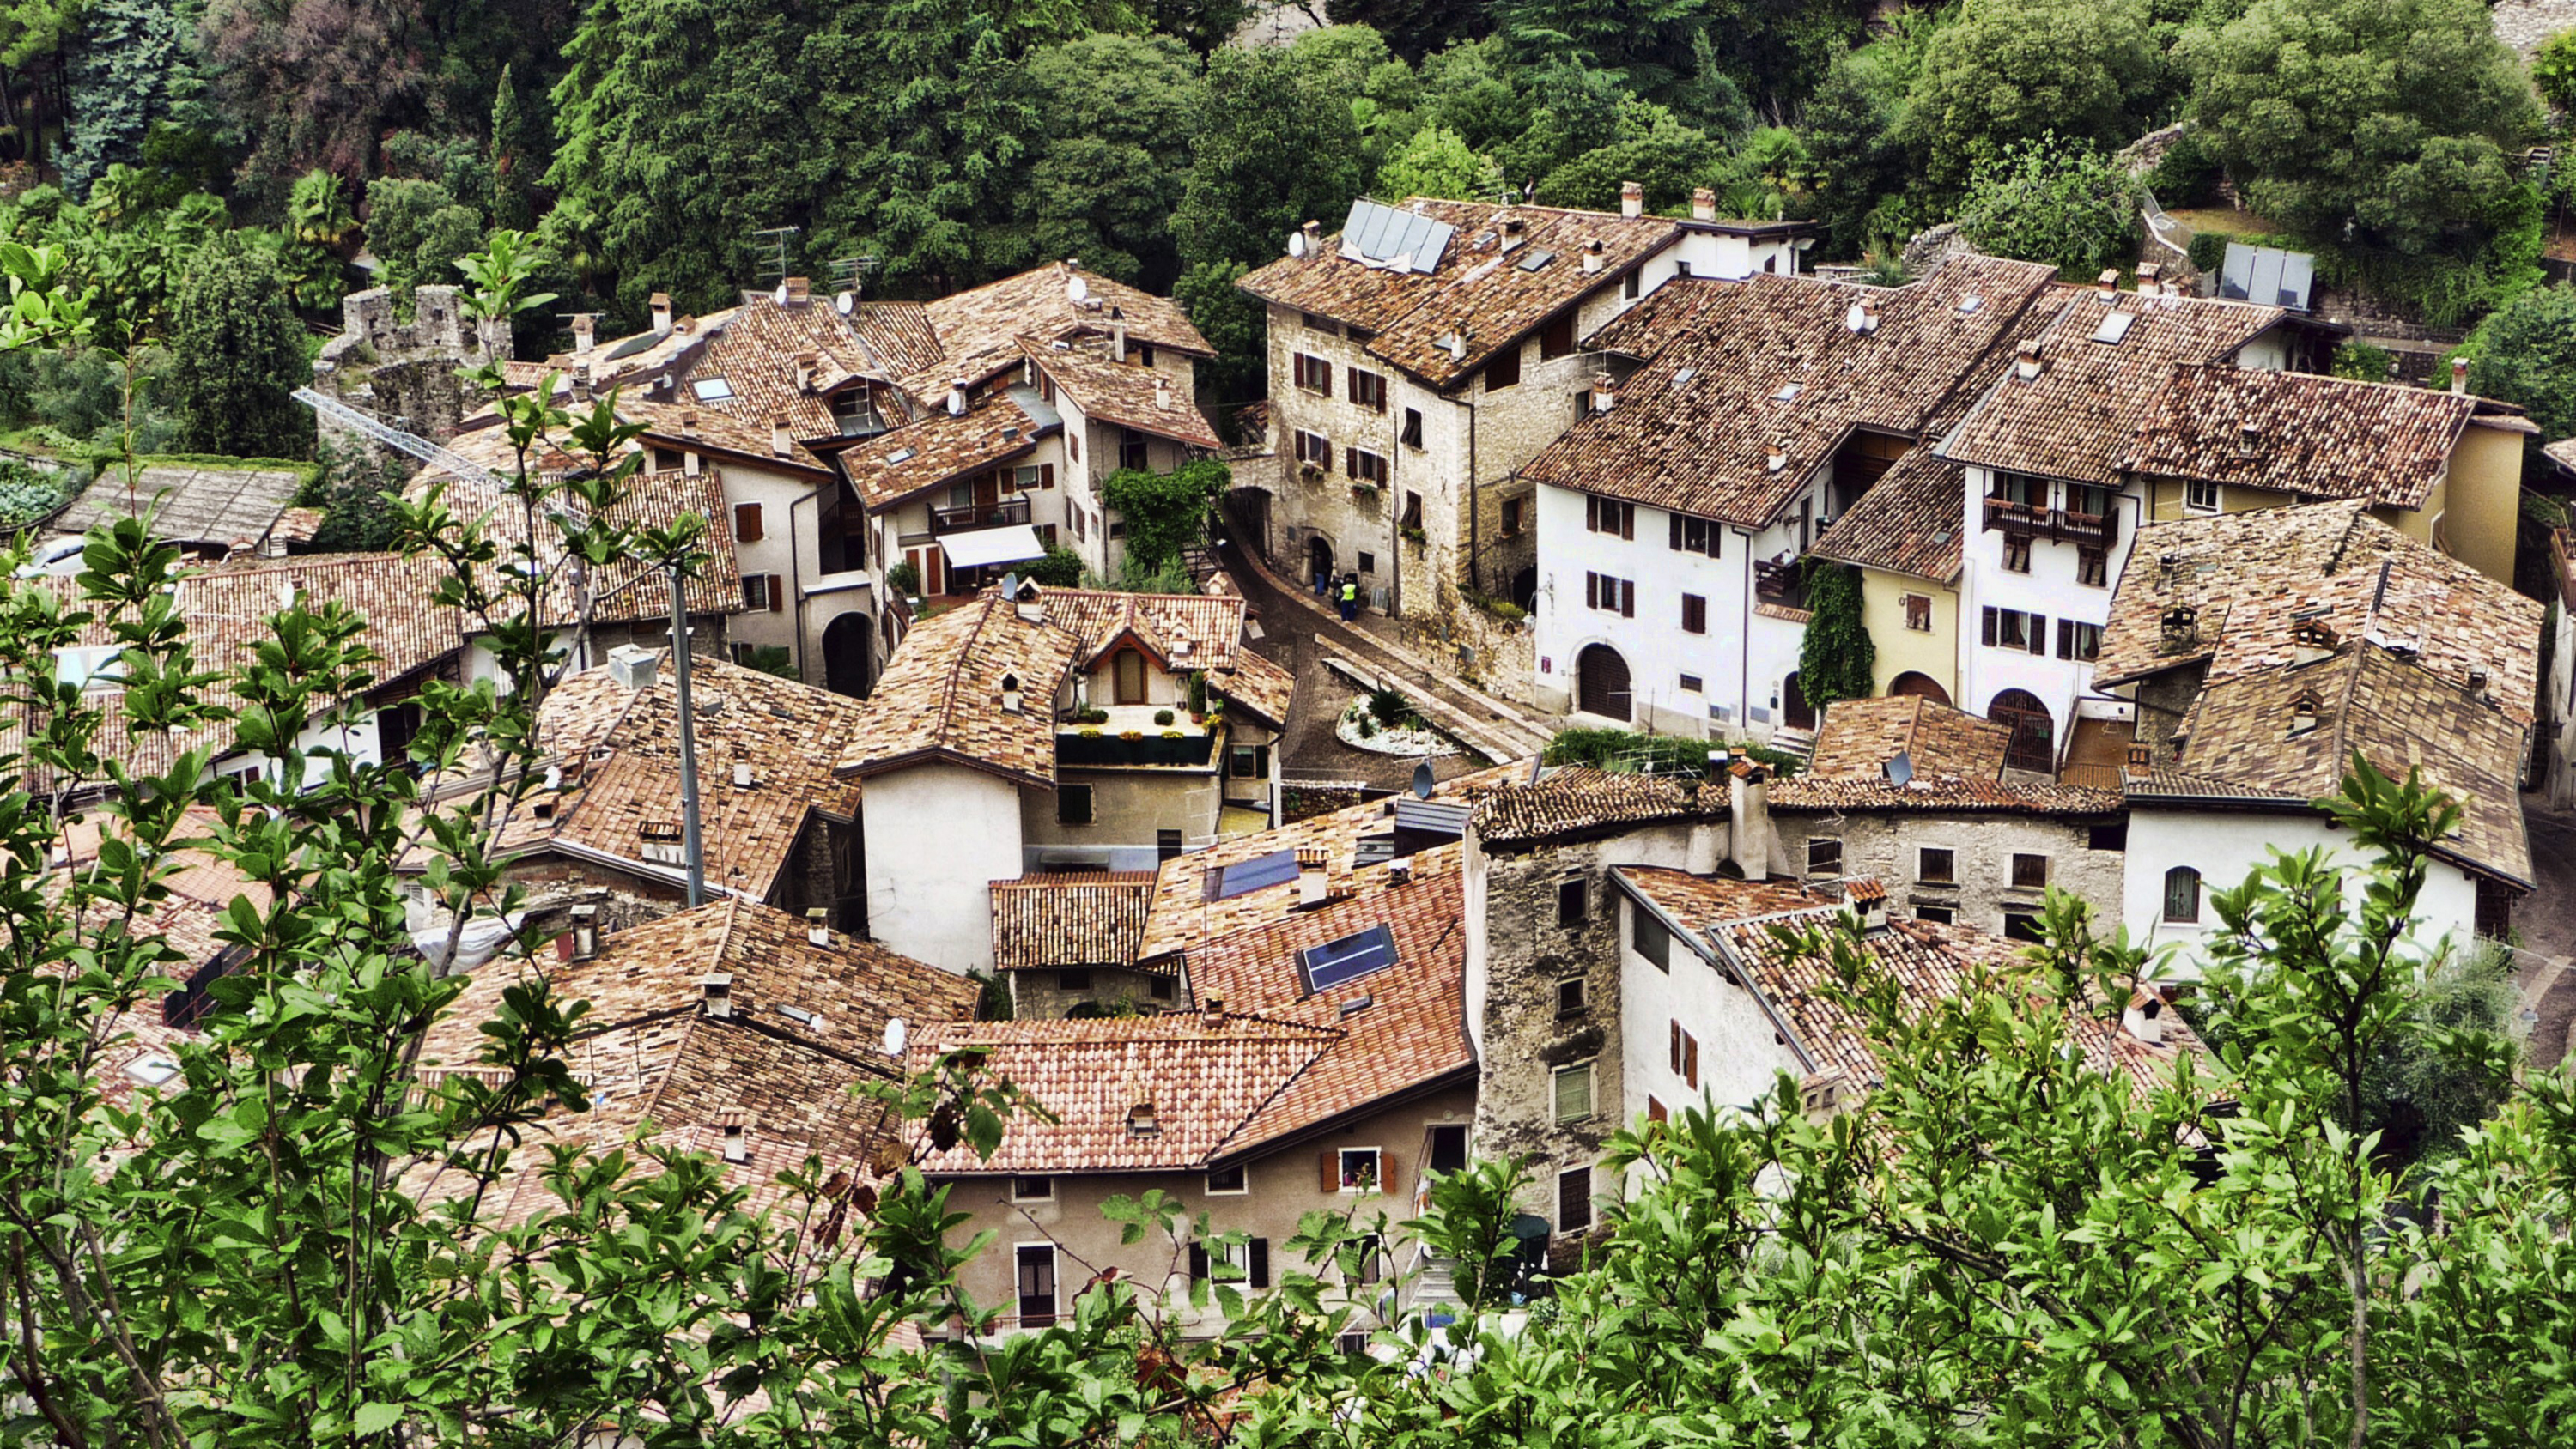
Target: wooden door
column 1601, row 682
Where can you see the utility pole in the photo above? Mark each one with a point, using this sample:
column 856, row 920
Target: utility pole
column 689, row 842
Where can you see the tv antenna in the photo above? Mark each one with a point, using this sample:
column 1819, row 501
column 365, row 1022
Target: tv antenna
column 771, row 245
column 848, row 272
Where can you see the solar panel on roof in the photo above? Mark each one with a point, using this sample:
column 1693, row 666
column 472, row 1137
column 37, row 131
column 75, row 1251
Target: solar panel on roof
column 1436, row 817
column 1277, row 868
column 2115, row 325
column 1348, row 959
column 1384, row 236
column 632, row 345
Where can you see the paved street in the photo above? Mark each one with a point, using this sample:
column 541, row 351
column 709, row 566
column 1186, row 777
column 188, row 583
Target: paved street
column 2547, row 921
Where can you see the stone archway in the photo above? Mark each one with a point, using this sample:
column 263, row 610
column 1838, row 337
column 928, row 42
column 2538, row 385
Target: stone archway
column 1913, row 684
column 847, row 642
column 1601, row 682
column 2034, row 730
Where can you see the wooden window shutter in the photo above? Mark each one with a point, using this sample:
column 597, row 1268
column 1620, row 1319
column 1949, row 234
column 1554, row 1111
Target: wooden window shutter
column 1628, row 520
column 777, row 593
column 2065, row 638
column 1198, row 1262
column 1628, row 598
column 1674, row 1044
column 1690, row 1060
column 1591, row 591
column 1046, row 475
column 1351, row 461
column 1990, row 624
column 1591, row 514
column 1331, row 1164
column 1386, row 1173
column 1261, row 1262
column 746, row 523
column 2039, row 634
column 1675, row 520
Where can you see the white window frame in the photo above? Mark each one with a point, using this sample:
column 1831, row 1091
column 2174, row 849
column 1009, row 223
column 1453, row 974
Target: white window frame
column 1019, row 1196
column 1243, row 1171
column 2192, row 492
column 1377, row 1175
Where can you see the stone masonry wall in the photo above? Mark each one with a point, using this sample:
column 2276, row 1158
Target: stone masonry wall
column 1887, row 846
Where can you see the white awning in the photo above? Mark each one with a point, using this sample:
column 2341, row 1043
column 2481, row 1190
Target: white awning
column 985, row 546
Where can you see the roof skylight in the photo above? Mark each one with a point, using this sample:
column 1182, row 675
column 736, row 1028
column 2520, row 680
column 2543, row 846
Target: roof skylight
column 712, row 389
column 1338, row 962
column 1277, row 868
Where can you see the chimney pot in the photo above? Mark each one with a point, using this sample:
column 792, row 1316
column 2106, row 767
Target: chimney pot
column 1604, row 397
column 1592, row 257
column 742, row 774
column 2027, row 367
column 715, row 995
column 1632, row 199
column 807, row 367
column 781, row 441
column 818, row 927
column 1704, row 204
column 585, row 332
column 2460, row 375
column 661, row 314
column 799, row 291
column 2108, row 283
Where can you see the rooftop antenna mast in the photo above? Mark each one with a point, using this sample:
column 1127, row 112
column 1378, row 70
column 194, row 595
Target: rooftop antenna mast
column 848, row 272
column 771, row 243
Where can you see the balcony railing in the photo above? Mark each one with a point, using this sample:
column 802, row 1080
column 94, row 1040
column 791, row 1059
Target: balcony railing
column 2033, row 520
column 971, row 516
column 1782, row 583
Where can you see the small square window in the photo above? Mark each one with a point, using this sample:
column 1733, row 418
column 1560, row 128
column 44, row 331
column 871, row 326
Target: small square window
column 1359, row 1169
column 1569, row 996
column 1934, row 865
column 2021, row 926
column 1225, row 1181
column 2017, row 555
column 2029, row 872
column 1938, row 915
column 1448, row 1147
column 1573, row 1092
column 1650, row 938
column 1073, row 804
column 1569, row 902
column 1368, row 563
column 1033, row 1189
column 1918, row 613
column 1078, row 979
column 1167, row 843
column 1574, row 1200
column 1692, row 684
column 2201, row 494
column 1412, row 435
column 1159, row 987
column 1824, row 855
column 2107, row 837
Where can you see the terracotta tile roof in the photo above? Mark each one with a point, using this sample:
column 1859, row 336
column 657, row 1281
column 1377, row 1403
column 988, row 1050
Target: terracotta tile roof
column 1080, row 918
column 1203, row 1080
column 2396, row 714
column 899, row 335
column 648, row 1053
column 2077, row 418
column 627, row 589
column 893, row 466
column 981, row 331
column 1477, row 286
column 1907, row 523
column 1940, row 793
column 1259, row 686
column 1274, row 1062
column 1857, row 738
column 941, row 696
column 1739, row 368
column 1127, row 393
column 2254, row 578
column 1183, row 912
column 1579, row 800
column 702, row 426
column 758, row 356
column 618, row 750
column 1745, row 922
column 2299, row 433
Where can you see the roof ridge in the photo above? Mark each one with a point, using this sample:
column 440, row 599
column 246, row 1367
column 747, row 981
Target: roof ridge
column 1333, row 1037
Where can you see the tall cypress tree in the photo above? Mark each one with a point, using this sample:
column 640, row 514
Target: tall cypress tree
column 237, row 351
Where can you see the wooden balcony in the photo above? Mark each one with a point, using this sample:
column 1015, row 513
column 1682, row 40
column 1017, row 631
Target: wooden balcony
column 1783, row 583
column 969, row 517
column 2031, row 520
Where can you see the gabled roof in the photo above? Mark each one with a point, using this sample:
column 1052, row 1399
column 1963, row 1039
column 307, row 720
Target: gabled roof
column 808, row 1025
column 1078, row 919
column 983, row 330
column 1858, row 737
column 1147, row 399
column 1739, row 373
column 1743, row 923
column 2300, row 433
column 1907, row 523
column 618, row 751
column 893, row 466
column 1580, row 801
column 1477, row 288
column 941, row 696
column 2077, row 417
column 2253, row 579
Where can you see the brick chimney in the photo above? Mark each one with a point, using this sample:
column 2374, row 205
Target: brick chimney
column 799, row 291
column 781, row 441
column 661, row 314
column 1632, row 199
column 585, row 333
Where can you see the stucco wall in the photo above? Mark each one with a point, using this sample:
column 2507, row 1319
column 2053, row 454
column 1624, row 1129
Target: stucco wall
column 1888, row 846
column 1933, row 653
column 1740, row 1053
column 1280, row 1187
column 937, row 835
column 2049, row 589
column 1127, row 808
column 2483, row 510
column 2226, row 846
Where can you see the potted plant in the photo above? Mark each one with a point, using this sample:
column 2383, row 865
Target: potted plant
column 1162, row 716
column 1310, row 472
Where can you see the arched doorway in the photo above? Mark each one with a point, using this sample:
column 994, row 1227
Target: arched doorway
column 846, row 642
column 1319, row 561
column 1601, row 682
column 1795, row 712
column 2034, row 733
column 1913, row 684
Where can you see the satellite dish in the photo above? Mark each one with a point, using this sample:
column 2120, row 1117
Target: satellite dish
column 1857, row 319
column 1422, row 781
column 897, row 1035
column 780, row 296
column 1296, row 243
column 1077, row 289
column 846, row 303
column 1900, row 770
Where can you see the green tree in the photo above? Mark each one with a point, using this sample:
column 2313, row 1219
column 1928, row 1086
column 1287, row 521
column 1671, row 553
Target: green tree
column 1850, row 131
column 1234, row 323
column 417, row 230
column 1836, row 659
column 2553, row 69
column 2047, row 201
column 1165, row 512
column 2526, row 354
column 2008, row 71
column 2381, row 123
column 136, row 68
column 318, row 224
column 1109, row 157
column 238, row 351
column 1437, row 163
column 1276, row 152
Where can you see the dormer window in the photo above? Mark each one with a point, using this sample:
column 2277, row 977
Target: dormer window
column 1142, row 1122
column 2304, row 714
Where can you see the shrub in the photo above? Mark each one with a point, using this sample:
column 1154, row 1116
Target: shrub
column 1627, row 751
column 1060, row 569
column 1162, row 716
column 2362, row 362
column 2188, row 175
column 2209, row 249
column 1390, row 707
column 2057, row 202
column 2554, row 70
column 28, row 496
column 904, row 578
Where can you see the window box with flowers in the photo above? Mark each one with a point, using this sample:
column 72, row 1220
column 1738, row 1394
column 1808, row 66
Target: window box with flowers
column 1366, row 495
column 1413, row 534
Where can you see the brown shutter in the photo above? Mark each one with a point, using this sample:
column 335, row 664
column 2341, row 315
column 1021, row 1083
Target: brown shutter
column 1591, row 591
column 1331, row 1164
column 2065, row 638
column 1628, row 520
column 1351, row 461
column 1261, row 1262
column 1673, row 1043
column 1628, row 598
column 1591, row 514
column 1990, row 624
column 1386, row 1172
column 1690, row 1060
column 1046, row 475
column 746, row 523
column 2039, row 634
column 1676, row 520
column 777, row 593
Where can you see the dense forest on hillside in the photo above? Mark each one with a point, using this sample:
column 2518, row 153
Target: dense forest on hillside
column 918, row 146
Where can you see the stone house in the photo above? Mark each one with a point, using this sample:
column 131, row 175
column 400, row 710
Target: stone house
column 2262, row 651
column 1425, row 352
column 1060, row 729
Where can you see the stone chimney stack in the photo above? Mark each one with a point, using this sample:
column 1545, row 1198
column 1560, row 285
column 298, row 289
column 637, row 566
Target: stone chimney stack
column 1703, row 205
column 661, row 314
column 585, row 333
column 1632, row 199
column 1748, row 809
